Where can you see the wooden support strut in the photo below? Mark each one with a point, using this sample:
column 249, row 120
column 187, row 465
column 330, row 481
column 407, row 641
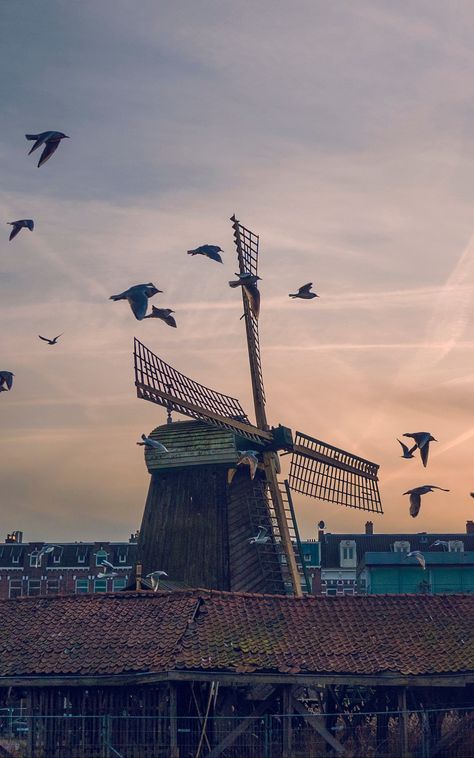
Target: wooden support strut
column 315, row 722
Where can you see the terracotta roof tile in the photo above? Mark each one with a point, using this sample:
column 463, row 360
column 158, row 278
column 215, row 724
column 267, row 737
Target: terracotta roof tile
column 236, row 632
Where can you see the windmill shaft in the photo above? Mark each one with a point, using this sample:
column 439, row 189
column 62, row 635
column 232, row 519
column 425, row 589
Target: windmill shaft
column 271, row 477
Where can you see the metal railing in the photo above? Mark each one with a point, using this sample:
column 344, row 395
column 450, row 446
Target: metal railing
column 388, row 734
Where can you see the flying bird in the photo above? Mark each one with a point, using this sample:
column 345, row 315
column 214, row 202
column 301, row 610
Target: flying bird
column 245, row 278
column 248, row 458
column 471, row 494
column 261, row 538
column 154, row 578
column 422, row 442
column 209, row 251
column 45, row 550
column 407, row 452
column 419, row 557
column 440, row 543
column 137, row 297
column 6, row 380
column 304, row 292
column 53, row 341
column 164, row 314
column 109, row 572
column 415, row 496
column 253, row 297
column 153, row 444
column 23, row 223
column 51, row 142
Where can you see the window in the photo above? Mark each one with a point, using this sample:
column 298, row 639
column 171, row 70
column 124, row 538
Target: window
column 82, row 585
column 348, row 591
column 15, row 588
column 331, row 591
column 52, row 587
column 16, row 557
column 307, row 556
column 34, row 587
column 81, row 558
column 100, row 557
column 456, row 546
column 402, row 546
column 119, row 584
column 57, row 556
column 348, row 553
column 122, row 558
column 100, row 585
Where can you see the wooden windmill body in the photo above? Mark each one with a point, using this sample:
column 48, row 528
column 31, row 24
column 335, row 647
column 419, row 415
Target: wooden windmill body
column 197, row 524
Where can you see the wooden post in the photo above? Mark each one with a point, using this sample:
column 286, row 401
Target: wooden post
column 173, row 712
column 138, row 576
column 402, row 707
column 287, row 732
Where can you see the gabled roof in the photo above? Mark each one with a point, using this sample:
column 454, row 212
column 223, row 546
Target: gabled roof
column 383, row 543
column 199, row 630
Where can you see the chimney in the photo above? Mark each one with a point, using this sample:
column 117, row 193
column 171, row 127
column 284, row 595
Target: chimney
column 369, row 527
column 321, row 528
column 469, row 527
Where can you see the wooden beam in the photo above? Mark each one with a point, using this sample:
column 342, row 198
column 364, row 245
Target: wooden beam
column 333, row 462
column 238, row 426
column 313, row 721
column 245, row 724
column 286, row 721
column 174, row 748
column 402, row 707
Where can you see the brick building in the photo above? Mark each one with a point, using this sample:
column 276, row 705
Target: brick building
column 71, row 568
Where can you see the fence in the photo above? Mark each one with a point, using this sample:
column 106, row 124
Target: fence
column 417, row 734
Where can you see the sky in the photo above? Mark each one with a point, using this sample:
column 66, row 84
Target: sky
column 341, row 133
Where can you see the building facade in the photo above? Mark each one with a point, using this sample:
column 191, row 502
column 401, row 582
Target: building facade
column 346, row 569
column 70, row 568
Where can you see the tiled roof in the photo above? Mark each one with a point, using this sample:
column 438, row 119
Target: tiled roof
column 378, row 543
column 236, row 632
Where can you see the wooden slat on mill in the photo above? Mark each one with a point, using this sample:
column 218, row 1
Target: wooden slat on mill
column 196, row 526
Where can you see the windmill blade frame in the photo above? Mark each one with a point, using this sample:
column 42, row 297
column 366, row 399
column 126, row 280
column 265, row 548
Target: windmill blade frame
column 162, row 384
column 325, row 472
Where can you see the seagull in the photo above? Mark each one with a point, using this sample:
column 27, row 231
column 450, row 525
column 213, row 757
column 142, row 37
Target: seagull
column 441, row 543
column 6, row 380
column 44, row 551
column 245, row 278
column 137, row 297
column 153, row 444
column 261, row 538
column 109, row 571
column 415, row 496
column 304, row 292
column 23, row 223
column 51, row 142
column 210, row 251
column 248, row 458
column 253, row 297
column 471, row 494
column 154, row 578
column 422, row 440
column 164, row 314
column 419, row 557
column 407, row 452
column 53, row 341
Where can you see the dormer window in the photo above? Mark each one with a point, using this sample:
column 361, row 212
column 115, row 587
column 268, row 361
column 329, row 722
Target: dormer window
column 456, row 546
column 56, row 557
column 15, row 557
column 100, row 557
column 348, row 554
column 81, row 558
column 122, row 558
column 34, row 562
column 402, row 546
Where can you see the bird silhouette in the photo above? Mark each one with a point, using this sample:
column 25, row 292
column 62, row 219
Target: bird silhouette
column 137, row 297
column 261, row 538
column 51, row 342
column 109, row 572
column 415, row 496
column 162, row 313
column 152, row 444
column 245, row 278
column 23, row 223
column 407, row 452
column 209, row 251
column 51, row 142
column 304, row 292
column 6, row 380
column 154, row 578
column 422, row 442
column 440, row 543
column 419, row 557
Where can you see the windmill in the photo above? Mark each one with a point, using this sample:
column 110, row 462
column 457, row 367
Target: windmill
column 317, row 469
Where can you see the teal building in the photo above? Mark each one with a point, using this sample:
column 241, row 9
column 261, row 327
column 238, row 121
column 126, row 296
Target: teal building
column 394, row 573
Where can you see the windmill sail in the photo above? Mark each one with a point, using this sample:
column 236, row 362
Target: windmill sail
column 325, row 472
column 160, row 383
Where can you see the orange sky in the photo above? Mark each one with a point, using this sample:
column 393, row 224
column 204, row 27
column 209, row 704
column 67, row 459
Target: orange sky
column 350, row 155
